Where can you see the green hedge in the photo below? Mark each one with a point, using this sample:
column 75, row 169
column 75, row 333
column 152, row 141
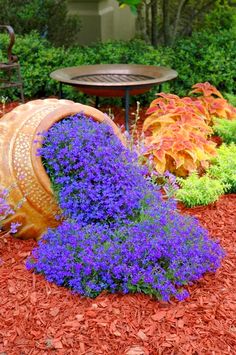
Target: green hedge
column 203, row 57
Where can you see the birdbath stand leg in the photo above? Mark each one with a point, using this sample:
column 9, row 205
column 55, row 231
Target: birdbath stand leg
column 60, row 90
column 96, row 101
column 127, row 110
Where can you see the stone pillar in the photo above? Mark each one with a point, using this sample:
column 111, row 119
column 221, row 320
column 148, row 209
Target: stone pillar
column 102, row 20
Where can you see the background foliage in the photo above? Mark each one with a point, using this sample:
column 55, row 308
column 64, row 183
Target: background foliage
column 204, row 57
column 165, row 21
column 48, row 17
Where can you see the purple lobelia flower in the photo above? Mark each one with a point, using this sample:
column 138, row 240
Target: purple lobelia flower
column 119, row 235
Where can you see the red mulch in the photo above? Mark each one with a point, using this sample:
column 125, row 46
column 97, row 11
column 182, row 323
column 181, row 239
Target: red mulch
column 8, row 107
column 37, row 317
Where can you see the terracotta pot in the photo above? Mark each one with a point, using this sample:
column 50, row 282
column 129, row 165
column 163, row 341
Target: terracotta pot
column 22, row 170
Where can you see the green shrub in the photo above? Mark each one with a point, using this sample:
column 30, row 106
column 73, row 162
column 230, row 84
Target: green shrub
column 225, row 129
column 38, row 59
column 197, row 190
column 49, row 18
column 223, row 167
column 222, row 17
column 204, row 57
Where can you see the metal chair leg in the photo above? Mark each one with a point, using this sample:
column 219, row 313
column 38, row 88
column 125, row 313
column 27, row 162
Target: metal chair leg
column 22, row 94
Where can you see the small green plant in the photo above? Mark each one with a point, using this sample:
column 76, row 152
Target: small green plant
column 223, row 167
column 231, row 98
column 225, row 129
column 197, row 190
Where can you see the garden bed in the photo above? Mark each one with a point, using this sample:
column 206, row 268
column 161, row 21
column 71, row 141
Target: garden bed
column 38, row 317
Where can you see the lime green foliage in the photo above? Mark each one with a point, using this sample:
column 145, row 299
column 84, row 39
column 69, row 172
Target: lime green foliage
column 197, row 190
column 223, row 167
column 231, row 98
column 220, row 178
column 225, row 129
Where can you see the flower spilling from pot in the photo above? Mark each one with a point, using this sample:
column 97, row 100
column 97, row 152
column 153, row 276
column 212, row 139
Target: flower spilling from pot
column 117, row 234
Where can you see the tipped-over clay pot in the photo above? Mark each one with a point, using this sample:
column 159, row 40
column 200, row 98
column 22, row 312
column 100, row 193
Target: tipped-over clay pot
column 21, row 169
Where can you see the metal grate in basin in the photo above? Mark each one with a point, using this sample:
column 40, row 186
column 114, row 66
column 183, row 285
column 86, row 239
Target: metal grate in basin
column 111, row 78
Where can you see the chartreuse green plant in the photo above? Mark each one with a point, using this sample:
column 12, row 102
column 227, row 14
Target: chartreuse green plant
column 197, row 190
column 231, row 98
column 223, row 167
column 220, row 178
column 225, row 129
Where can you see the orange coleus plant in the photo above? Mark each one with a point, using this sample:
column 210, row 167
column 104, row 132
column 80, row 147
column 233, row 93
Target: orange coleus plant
column 177, row 133
column 179, row 147
column 214, row 102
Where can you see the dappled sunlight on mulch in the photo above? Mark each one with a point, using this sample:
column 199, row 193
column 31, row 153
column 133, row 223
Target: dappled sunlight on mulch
column 37, row 317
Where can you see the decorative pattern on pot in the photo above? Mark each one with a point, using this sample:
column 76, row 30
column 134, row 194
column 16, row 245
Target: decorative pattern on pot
column 22, row 169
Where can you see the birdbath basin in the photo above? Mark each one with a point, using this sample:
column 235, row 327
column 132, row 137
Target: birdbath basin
column 114, row 80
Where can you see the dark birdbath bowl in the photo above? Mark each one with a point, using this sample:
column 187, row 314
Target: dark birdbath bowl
column 114, row 80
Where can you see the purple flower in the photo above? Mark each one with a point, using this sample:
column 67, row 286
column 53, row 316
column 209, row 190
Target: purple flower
column 157, row 254
column 94, row 176
column 118, row 235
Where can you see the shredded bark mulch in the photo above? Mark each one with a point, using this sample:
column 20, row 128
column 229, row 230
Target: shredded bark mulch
column 37, row 317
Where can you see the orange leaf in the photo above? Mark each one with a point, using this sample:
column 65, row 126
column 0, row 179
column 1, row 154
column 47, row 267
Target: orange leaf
column 206, row 89
column 189, row 164
column 152, row 120
column 159, row 166
column 178, row 159
column 160, row 155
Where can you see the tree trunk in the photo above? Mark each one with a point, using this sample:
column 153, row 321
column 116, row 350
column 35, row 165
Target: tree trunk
column 141, row 23
column 154, row 23
column 147, row 20
column 166, row 22
column 177, row 19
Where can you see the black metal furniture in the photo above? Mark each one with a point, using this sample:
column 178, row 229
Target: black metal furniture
column 11, row 76
column 119, row 80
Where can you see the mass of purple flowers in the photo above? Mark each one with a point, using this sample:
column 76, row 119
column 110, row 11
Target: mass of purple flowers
column 95, row 176
column 118, row 235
